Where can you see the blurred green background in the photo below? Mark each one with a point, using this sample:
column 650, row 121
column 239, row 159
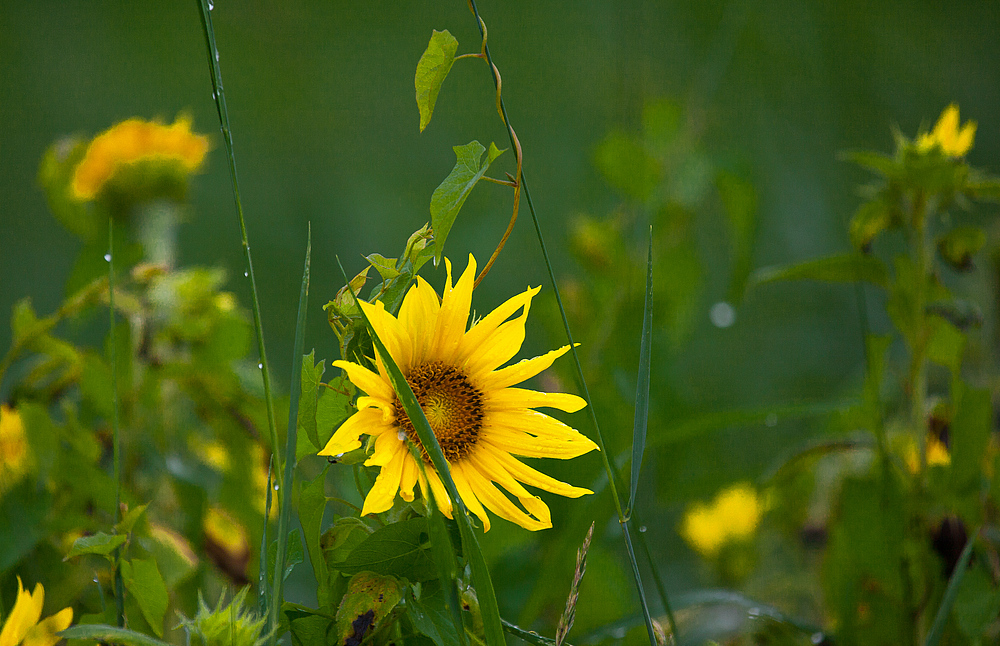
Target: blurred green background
column 322, row 106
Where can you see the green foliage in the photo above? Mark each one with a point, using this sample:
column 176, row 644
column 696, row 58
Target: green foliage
column 432, row 69
column 229, row 624
column 451, row 194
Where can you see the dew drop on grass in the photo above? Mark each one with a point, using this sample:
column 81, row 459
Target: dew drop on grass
column 275, row 486
column 246, row 274
column 642, row 529
column 211, row 5
column 260, row 366
column 817, row 638
column 722, row 314
column 107, row 257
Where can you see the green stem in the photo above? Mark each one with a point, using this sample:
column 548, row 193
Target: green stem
column 918, row 366
column 116, row 437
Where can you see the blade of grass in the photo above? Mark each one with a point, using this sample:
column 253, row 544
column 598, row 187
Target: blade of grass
column 528, row 635
column 642, row 381
column 295, row 390
column 263, row 598
column 638, row 586
column 492, row 625
column 220, row 105
column 660, row 588
column 950, row 593
column 116, row 432
column 613, row 475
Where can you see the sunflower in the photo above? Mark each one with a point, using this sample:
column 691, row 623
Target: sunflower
column 479, row 419
column 22, row 626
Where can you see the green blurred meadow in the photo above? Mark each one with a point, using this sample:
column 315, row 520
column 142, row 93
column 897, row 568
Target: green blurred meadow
column 321, row 99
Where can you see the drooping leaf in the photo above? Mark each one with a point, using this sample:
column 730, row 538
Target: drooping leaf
column 99, row 543
column 312, row 504
column 845, row 268
column 958, row 246
column 145, row 584
column 370, row 597
column 401, row 549
column 432, row 70
column 311, row 376
column 451, row 194
column 110, row 635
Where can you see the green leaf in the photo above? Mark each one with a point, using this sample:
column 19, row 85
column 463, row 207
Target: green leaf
column 386, row 267
column 312, row 504
column 333, row 407
column 945, row 344
column 99, row 543
column 845, row 268
column 126, row 524
column 143, row 580
column 451, row 194
column 430, row 615
column 311, row 376
column 370, row 597
column 984, row 188
column 306, row 626
column 293, row 554
column 110, row 635
column 976, row 604
column 432, row 70
column 959, row 245
column 341, row 538
column 401, row 549
column 871, row 219
column 642, row 380
column 874, row 161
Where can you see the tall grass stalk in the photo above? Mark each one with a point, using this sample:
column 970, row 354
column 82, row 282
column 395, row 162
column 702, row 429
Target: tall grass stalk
column 614, row 477
column 115, row 427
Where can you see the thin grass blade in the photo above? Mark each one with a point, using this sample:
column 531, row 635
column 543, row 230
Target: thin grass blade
column 220, row 105
column 115, row 427
column 642, row 381
column 295, row 390
column 657, row 580
column 638, row 586
column 480, row 572
column 950, row 593
column 263, row 598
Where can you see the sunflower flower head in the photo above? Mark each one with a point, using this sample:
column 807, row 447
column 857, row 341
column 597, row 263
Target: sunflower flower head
column 14, row 451
column 947, row 136
column 139, row 158
column 479, row 418
column 22, row 625
column 732, row 517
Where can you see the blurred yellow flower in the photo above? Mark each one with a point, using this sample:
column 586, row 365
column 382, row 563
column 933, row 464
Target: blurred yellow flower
column 733, row 516
column 937, row 455
column 226, row 543
column 13, row 447
column 132, row 142
column 23, row 626
column 946, row 134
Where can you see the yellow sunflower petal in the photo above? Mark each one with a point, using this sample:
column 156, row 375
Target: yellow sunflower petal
column 530, row 476
column 518, row 372
column 500, row 505
column 346, row 439
column 391, row 332
column 532, row 503
column 367, row 380
column 44, row 632
column 417, row 314
column 537, row 423
column 408, row 479
column 468, row 495
column 523, row 398
column 440, row 494
column 387, row 445
column 26, row 612
column 387, row 410
column 454, row 314
column 520, row 443
column 491, row 342
column 383, row 492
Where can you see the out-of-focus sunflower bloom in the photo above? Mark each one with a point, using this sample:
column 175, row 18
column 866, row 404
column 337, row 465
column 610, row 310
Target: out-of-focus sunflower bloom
column 226, row 544
column 732, row 517
column 954, row 142
column 937, row 455
column 174, row 149
column 22, row 626
column 14, row 452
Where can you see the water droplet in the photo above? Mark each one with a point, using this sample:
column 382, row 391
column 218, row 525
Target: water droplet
column 95, row 580
column 211, row 5
column 817, row 638
column 275, row 486
column 642, row 529
column 216, row 56
column 401, row 435
column 771, row 419
column 107, row 257
column 260, row 366
column 213, row 95
column 722, row 314
column 338, row 456
column 246, row 274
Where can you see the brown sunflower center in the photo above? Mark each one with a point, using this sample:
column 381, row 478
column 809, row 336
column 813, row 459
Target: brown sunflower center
column 453, row 406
